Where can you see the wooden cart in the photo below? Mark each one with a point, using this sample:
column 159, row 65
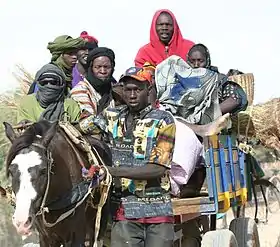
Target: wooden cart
column 227, row 187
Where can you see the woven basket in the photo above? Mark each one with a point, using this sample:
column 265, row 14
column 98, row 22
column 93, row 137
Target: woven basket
column 246, row 81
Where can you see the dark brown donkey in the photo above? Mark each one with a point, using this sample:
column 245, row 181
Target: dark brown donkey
column 42, row 163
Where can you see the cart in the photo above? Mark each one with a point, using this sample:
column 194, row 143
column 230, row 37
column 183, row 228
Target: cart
column 226, row 177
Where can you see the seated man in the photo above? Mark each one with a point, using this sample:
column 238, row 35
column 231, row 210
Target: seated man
column 117, row 88
column 64, row 55
column 94, row 92
column 49, row 102
column 165, row 40
column 80, row 69
column 142, row 144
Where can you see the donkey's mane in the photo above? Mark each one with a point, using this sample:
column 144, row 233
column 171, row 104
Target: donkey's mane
column 25, row 140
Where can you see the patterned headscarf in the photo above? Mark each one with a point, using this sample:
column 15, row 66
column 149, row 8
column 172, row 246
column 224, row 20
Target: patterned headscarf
column 151, row 69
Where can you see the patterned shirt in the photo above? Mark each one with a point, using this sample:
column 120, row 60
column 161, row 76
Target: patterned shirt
column 149, row 139
column 87, row 97
column 234, row 91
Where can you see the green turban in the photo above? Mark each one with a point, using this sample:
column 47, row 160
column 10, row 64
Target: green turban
column 61, row 45
column 64, row 43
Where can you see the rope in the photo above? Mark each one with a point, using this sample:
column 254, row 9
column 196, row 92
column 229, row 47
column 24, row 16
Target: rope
column 104, row 189
column 50, row 163
column 104, row 184
column 64, row 215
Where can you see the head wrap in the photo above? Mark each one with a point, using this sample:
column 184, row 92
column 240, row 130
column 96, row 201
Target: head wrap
column 203, row 50
column 100, row 86
column 148, row 65
column 101, row 52
column 103, row 87
column 91, row 42
column 64, row 43
column 84, row 35
column 61, row 45
column 50, row 96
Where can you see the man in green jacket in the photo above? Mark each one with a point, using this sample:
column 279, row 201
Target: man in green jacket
column 49, row 102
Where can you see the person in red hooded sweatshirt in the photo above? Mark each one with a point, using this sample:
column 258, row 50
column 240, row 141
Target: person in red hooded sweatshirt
column 165, row 40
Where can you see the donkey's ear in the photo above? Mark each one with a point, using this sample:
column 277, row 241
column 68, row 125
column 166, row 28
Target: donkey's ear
column 9, row 131
column 49, row 135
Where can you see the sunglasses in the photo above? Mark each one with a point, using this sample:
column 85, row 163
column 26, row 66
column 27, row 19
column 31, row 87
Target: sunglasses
column 50, row 81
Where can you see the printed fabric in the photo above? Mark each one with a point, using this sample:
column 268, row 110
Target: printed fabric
column 150, row 141
column 188, row 93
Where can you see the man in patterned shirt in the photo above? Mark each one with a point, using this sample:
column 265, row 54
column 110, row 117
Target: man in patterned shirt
column 142, row 146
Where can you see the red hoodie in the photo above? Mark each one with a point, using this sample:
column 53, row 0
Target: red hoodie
column 155, row 52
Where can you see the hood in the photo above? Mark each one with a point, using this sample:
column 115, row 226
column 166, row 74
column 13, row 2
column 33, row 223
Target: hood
column 177, row 35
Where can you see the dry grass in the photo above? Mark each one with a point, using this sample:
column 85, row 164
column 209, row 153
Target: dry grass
column 25, row 79
column 261, row 121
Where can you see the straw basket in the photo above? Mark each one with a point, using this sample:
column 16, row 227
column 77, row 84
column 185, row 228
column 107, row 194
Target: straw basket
column 243, row 123
column 246, row 81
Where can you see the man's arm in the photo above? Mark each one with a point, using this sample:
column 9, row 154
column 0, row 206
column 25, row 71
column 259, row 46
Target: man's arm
column 229, row 105
column 159, row 161
column 150, row 171
column 233, row 99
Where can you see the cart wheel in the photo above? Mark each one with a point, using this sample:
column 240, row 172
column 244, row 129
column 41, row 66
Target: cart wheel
column 219, row 238
column 246, row 232
column 273, row 195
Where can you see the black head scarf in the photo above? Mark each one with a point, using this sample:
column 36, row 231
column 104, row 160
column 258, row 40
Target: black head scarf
column 51, row 95
column 103, row 87
column 205, row 52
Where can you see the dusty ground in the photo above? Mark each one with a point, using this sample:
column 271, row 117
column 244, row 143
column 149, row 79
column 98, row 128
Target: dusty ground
column 269, row 233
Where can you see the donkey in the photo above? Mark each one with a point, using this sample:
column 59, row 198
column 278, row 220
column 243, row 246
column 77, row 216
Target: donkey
column 45, row 167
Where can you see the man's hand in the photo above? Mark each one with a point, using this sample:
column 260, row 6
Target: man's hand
column 102, row 173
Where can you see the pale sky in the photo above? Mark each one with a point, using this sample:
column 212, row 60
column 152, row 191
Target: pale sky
column 241, row 34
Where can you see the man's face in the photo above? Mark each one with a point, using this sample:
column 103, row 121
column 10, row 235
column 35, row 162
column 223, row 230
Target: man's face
column 102, row 68
column 165, row 28
column 197, row 60
column 82, row 56
column 135, row 94
column 70, row 57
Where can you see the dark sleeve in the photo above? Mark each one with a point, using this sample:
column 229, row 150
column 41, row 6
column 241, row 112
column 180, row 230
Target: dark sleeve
column 235, row 91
